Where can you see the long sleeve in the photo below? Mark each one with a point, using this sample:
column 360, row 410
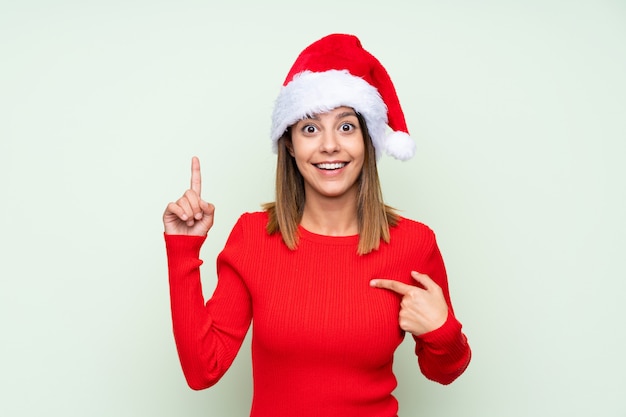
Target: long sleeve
column 444, row 353
column 208, row 335
column 323, row 339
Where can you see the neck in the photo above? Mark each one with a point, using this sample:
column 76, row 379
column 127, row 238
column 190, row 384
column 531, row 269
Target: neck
column 330, row 217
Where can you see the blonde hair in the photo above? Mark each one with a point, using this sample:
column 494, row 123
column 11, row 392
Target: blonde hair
column 374, row 217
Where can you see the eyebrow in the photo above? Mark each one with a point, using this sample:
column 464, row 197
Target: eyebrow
column 339, row 116
column 346, row 114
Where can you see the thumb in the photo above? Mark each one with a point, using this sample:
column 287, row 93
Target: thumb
column 424, row 280
column 207, row 208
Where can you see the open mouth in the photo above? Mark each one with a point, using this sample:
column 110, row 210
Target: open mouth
column 331, row 166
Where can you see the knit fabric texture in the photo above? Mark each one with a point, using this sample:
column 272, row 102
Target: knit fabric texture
column 323, row 339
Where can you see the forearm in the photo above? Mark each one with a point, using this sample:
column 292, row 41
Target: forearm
column 205, row 351
column 444, row 353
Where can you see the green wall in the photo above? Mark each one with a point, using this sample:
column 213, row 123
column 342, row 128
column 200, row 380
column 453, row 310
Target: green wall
column 518, row 109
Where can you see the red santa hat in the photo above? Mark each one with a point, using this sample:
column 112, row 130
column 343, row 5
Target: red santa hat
column 336, row 71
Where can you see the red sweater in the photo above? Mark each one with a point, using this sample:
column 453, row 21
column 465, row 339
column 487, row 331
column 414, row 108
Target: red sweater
column 323, row 340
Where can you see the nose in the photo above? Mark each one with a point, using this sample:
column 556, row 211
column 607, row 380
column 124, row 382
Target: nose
column 329, row 142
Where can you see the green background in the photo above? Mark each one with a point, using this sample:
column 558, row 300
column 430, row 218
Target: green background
column 519, row 113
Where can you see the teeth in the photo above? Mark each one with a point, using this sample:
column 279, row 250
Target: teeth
column 334, row 165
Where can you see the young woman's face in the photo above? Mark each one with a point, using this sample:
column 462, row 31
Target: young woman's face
column 329, row 152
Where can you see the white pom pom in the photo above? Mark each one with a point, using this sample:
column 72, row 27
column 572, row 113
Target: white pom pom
column 400, row 145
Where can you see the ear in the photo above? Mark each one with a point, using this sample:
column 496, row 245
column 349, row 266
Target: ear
column 289, row 147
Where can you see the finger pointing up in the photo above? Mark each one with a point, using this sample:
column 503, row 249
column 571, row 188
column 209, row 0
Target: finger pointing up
column 196, row 178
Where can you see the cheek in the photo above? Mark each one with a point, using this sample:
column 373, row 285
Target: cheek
column 358, row 153
column 302, row 150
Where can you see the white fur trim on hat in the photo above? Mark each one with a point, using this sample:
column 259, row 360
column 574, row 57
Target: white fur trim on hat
column 311, row 93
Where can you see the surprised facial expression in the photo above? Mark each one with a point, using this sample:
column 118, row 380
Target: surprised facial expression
column 329, row 151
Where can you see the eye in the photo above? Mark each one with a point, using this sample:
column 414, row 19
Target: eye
column 309, row 129
column 346, row 127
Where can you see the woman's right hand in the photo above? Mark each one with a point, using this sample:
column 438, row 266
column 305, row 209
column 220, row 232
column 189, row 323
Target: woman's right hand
column 190, row 215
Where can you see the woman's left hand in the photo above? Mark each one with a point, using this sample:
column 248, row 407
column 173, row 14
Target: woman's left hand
column 422, row 310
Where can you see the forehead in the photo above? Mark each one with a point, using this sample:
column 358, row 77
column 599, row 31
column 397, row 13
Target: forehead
column 337, row 112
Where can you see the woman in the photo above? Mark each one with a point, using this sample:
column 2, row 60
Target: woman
column 331, row 276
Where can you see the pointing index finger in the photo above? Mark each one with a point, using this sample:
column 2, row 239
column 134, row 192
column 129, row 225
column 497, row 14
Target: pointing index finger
column 389, row 284
column 196, row 178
